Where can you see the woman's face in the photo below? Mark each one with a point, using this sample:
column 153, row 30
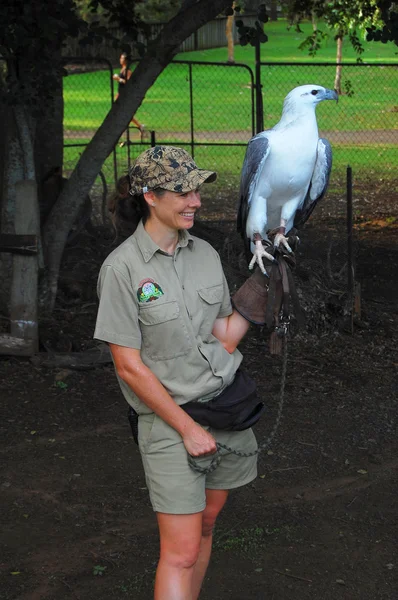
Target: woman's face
column 173, row 210
column 122, row 60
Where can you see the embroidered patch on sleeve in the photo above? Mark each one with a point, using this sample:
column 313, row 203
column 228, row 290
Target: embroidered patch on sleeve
column 149, row 290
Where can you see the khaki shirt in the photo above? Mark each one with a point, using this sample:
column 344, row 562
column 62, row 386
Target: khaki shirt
column 165, row 306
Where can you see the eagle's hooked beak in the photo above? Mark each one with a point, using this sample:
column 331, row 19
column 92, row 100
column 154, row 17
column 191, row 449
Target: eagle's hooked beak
column 331, row 95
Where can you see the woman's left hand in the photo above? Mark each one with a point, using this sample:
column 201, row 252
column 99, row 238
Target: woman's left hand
column 198, row 441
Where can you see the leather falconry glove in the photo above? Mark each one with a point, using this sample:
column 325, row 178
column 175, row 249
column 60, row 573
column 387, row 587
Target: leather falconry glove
column 259, row 292
column 251, row 299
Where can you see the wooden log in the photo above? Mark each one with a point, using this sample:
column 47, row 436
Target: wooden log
column 23, row 300
column 80, row 361
column 18, row 244
column 15, row 346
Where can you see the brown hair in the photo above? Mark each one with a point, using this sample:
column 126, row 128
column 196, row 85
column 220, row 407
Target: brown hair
column 127, row 210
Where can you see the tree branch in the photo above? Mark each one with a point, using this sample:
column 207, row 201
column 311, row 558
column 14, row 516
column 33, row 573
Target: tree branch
column 160, row 53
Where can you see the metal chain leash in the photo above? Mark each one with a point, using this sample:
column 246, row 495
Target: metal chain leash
column 227, row 449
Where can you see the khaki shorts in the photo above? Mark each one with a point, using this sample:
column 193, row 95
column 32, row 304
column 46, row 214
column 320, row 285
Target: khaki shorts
column 174, row 487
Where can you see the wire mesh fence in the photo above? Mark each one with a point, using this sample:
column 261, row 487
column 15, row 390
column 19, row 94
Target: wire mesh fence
column 209, row 109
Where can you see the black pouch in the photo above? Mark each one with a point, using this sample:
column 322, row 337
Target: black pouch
column 235, row 409
column 133, row 419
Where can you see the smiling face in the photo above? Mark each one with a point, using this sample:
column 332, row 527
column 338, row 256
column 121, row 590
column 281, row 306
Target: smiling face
column 171, row 210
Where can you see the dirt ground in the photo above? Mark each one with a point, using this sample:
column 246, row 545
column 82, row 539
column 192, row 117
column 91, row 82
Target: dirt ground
column 320, row 521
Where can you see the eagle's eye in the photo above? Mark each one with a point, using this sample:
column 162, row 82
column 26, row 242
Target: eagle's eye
column 314, row 92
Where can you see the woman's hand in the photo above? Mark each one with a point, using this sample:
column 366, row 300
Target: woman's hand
column 198, row 441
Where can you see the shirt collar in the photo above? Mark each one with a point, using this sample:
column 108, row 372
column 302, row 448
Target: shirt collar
column 148, row 247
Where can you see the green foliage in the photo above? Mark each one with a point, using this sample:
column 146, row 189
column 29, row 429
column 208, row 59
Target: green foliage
column 345, row 17
column 61, row 385
column 348, row 88
column 32, row 34
column 387, row 30
column 313, row 42
column 247, row 541
column 99, row 570
column 253, row 35
column 86, row 12
column 157, row 11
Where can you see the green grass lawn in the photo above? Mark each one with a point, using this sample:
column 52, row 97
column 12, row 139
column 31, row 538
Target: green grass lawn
column 222, row 98
column 222, row 109
column 283, row 46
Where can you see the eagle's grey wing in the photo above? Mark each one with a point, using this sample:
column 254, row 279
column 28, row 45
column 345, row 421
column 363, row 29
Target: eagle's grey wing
column 319, row 183
column 256, row 154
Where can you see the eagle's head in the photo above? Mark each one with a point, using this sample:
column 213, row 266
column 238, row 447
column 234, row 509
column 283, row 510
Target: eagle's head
column 310, row 95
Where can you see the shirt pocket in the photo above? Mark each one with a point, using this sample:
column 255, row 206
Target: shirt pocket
column 211, row 299
column 164, row 334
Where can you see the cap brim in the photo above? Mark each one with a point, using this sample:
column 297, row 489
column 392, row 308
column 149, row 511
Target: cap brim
column 190, row 181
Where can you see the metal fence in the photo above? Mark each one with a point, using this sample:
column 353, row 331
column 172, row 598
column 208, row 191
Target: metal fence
column 209, row 108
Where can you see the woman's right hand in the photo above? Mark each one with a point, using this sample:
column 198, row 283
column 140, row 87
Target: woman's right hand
column 198, row 441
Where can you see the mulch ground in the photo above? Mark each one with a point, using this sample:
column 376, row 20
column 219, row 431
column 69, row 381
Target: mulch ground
column 320, row 521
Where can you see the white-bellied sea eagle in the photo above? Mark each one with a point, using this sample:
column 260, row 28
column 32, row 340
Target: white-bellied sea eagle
column 285, row 173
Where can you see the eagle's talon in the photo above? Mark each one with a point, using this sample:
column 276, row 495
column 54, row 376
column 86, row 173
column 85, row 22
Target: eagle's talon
column 281, row 240
column 258, row 256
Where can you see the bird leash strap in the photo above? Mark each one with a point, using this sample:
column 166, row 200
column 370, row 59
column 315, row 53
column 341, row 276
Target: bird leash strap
column 223, row 449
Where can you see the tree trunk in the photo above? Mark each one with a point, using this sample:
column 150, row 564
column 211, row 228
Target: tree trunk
column 49, row 148
column 160, row 52
column 314, row 27
column 3, row 154
column 314, row 21
column 229, row 32
column 339, row 68
column 12, row 172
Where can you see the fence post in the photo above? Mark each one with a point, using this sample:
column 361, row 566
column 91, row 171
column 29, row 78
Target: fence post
column 353, row 287
column 24, row 300
column 258, row 86
column 191, row 112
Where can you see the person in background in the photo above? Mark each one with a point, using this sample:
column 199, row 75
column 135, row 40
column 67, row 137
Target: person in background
column 122, row 78
column 166, row 313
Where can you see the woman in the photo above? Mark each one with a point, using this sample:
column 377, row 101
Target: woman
column 166, row 313
column 122, row 78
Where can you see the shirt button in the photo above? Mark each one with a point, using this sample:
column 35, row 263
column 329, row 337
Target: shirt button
column 183, row 287
column 215, row 370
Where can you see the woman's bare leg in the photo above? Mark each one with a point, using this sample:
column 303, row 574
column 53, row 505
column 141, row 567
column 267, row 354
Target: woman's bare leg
column 136, row 123
column 180, row 539
column 215, row 500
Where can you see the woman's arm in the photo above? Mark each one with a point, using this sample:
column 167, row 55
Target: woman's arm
column 120, row 79
column 230, row 330
column 148, row 388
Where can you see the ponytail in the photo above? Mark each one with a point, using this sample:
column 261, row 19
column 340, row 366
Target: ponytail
column 126, row 210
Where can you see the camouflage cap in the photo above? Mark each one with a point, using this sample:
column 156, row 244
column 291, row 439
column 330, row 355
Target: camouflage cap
column 169, row 168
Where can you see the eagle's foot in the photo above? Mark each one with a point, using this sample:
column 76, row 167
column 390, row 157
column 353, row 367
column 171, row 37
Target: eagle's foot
column 258, row 256
column 281, row 240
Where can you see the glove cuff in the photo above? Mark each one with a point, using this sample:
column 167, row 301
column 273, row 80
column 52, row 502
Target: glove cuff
column 251, row 298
